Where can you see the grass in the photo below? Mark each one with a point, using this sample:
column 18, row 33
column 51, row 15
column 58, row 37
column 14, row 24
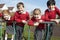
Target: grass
column 55, row 38
column 25, row 34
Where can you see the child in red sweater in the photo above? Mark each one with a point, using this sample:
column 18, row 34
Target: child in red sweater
column 9, row 28
column 36, row 20
column 21, row 18
column 51, row 13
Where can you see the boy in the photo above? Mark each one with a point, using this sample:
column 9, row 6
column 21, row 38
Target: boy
column 51, row 13
column 21, row 18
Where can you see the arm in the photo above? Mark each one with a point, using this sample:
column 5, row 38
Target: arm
column 30, row 23
column 46, row 16
column 57, row 11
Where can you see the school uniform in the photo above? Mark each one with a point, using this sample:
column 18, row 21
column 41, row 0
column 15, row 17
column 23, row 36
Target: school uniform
column 51, row 14
column 9, row 26
column 39, row 29
column 19, row 25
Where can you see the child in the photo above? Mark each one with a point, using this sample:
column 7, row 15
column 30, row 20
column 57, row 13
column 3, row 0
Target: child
column 51, row 13
column 9, row 28
column 36, row 20
column 21, row 18
column 52, row 10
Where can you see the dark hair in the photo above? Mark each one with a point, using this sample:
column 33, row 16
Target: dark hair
column 20, row 3
column 51, row 2
column 36, row 9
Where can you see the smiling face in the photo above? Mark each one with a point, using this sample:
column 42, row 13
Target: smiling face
column 51, row 7
column 20, row 7
column 51, row 4
column 36, row 13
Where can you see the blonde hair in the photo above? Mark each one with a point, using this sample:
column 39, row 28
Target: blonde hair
column 6, row 12
column 35, row 10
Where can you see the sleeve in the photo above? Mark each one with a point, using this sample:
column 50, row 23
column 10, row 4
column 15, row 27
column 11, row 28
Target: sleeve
column 46, row 16
column 17, row 18
column 12, row 18
column 30, row 23
column 57, row 11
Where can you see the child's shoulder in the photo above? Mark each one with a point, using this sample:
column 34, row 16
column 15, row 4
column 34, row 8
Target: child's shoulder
column 27, row 12
column 16, row 11
column 46, row 10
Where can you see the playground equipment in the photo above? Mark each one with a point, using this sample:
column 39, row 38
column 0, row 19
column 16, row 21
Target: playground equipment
column 0, row 30
column 47, row 34
column 14, row 29
column 47, row 30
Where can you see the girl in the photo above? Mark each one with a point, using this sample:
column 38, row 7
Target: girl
column 9, row 28
column 36, row 20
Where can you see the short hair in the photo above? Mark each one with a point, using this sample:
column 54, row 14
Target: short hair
column 20, row 3
column 51, row 2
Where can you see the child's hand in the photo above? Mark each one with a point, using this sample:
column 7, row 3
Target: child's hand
column 36, row 24
column 23, row 21
column 40, row 21
column 56, row 20
column 52, row 19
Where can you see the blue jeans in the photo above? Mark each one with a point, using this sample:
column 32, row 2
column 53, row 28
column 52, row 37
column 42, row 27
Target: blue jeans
column 19, row 31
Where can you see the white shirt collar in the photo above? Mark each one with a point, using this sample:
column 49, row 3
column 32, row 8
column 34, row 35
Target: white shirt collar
column 23, row 12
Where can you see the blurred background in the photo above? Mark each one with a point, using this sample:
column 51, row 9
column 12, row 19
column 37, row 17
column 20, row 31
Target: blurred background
column 29, row 6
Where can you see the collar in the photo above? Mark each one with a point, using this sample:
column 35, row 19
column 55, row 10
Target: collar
column 23, row 12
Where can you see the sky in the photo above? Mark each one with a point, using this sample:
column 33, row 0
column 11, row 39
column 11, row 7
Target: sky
column 30, row 5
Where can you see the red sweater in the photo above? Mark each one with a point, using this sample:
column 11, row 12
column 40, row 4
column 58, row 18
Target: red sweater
column 51, row 14
column 0, row 14
column 40, row 26
column 9, row 22
column 19, row 17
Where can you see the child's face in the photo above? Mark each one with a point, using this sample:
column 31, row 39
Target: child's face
column 51, row 7
column 21, row 8
column 37, row 13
